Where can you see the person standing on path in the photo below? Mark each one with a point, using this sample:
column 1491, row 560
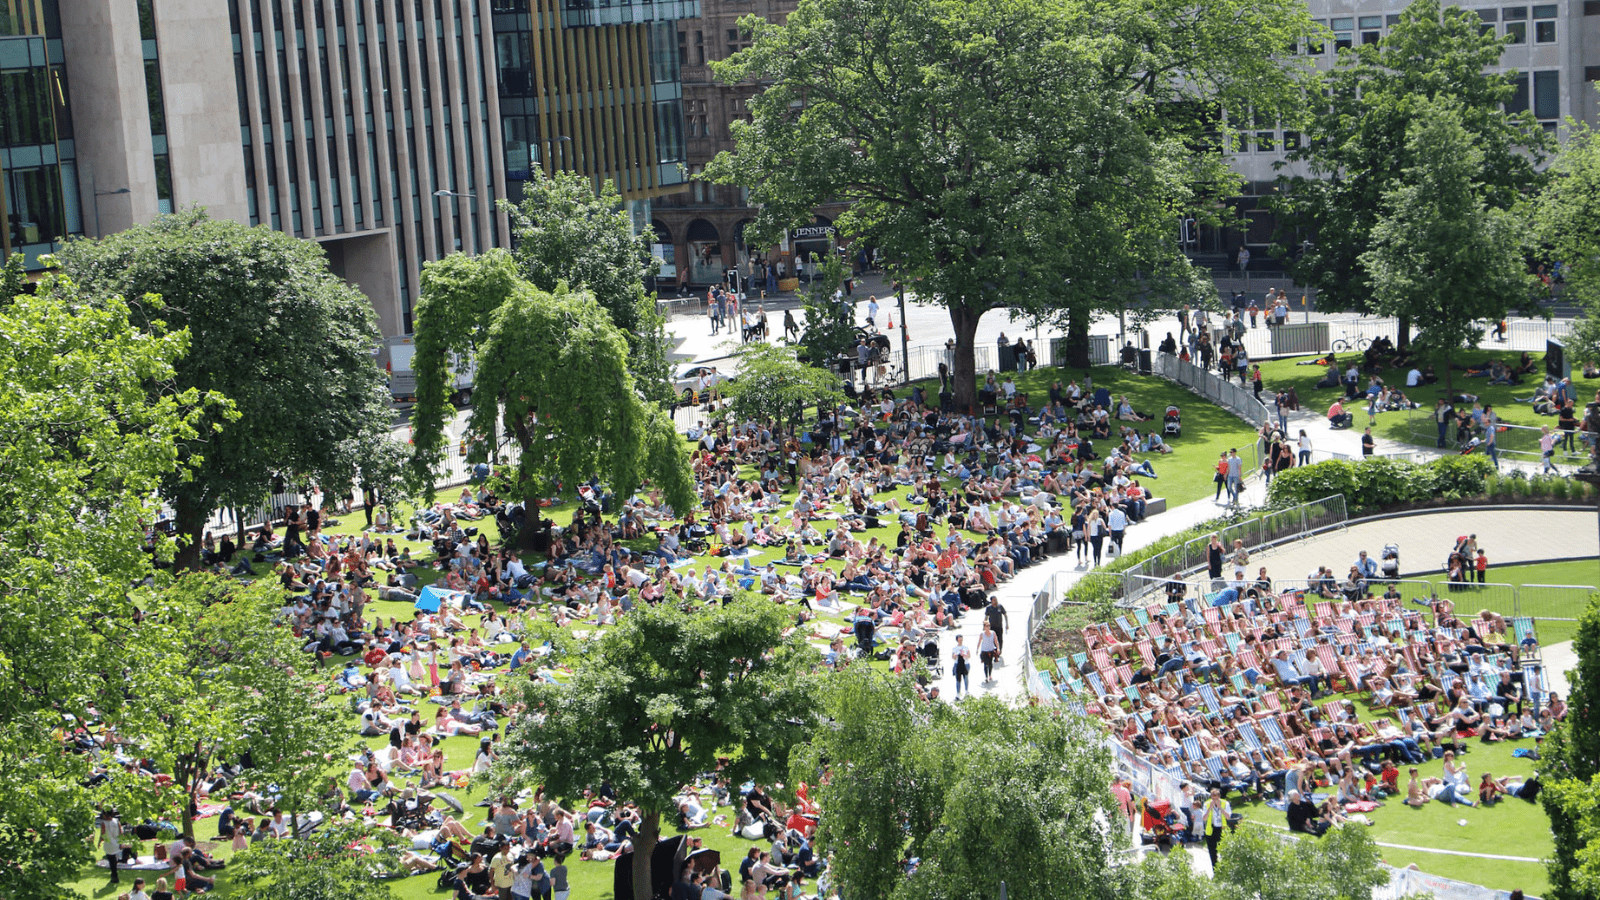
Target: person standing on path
column 995, row 615
column 1547, row 449
column 988, row 650
column 1491, row 434
column 1367, row 445
column 1215, row 551
column 1097, row 533
column 1117, row 522
column 1441, row 415
column 872, row 311
column 961, row 665
column 1221, row 478
column 1215, row 817
column 1305, row 448
column 1235, row 476
column 790, row 327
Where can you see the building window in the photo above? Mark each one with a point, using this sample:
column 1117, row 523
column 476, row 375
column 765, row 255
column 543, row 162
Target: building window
column 1516, row 32
column 738, row 39
column 1544, row 24
column 1488, row 17
column 1519, row 94
column 1371, row 29
column 1341, row 34
column 1547, row 94
column 699, row 48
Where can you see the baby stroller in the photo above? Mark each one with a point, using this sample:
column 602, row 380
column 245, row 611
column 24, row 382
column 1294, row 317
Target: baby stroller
column 929, row 651
column 1172, row 422
column 1155, row 821
column 1391, row 562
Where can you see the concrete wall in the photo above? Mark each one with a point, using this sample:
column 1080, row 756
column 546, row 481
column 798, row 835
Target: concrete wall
column 369, row 261
column 110, row 113
column 202, row 107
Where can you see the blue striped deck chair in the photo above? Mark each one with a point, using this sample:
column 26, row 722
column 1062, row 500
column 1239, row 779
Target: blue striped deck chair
column 1127, row 628
column 1077, row 706
column 1213, row 766
column 1191, row 748
column 1302, row 628
column 1209, row 696
column 1140, row 616
column 1270, row 728
column 1247, row 733
column 1095, row 684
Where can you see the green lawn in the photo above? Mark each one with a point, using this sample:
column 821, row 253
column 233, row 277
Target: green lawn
column 1555, row 610
column 1185, row 476
column 1281, row 374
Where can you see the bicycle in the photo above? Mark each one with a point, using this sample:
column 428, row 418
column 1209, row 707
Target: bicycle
column 1347, row 343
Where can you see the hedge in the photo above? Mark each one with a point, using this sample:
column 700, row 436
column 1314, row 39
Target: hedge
column 1379, row 482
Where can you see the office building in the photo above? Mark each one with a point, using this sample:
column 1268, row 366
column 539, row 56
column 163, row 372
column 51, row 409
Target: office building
column 385, row 130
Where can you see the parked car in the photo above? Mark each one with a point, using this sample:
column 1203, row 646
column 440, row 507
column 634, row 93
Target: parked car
column 688, row 386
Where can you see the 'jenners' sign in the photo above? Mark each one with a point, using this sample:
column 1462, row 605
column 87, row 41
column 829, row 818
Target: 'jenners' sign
column 807, row 232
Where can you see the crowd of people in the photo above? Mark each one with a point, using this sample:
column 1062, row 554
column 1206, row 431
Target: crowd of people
column 1243, row 685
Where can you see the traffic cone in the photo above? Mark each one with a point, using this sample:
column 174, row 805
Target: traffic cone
column 891, row 321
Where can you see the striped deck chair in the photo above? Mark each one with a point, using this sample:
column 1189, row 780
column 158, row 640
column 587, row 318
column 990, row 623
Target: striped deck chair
column 1334, row 710
column 1156, row 629
column 1233, row 639
column 1239, row 684
column 1367, row 619
column 1078, row 659
column 1302, row 628
column 1247, row 733
column 1526, row 638
column 1191, row 748
column 1298, row 745
column 1127, row 628
column 1324, row 610
column 1212, row 616
column 1209, row 648
column 1148, row 652
column 1125, row 674
column 1142, row 616
column 1214, row 767
column 1271, row 729
column 1330, row 665
column 1077, row 707
column 1132, row 693
column 1208, row 696
column 1170, row 610
column 1101, row 657
column 1095, row 684
column 1066, row 668
column 1321, row 734
column 1357, row 685
column 1272, row 700
column 1247, row 658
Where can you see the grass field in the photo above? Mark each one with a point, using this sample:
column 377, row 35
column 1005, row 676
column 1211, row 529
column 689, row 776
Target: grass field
column 1281, row 374
column 1556, row 610
column 1185, row 476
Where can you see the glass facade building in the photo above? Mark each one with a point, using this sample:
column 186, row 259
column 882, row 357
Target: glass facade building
column 39, row 202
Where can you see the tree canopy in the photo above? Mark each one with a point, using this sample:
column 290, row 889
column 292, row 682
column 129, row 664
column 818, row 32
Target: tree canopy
column 1005, row 153
column 658, row 699
column 1441, row 257
column 566, row 232
column 1571, row 770
column 976, row 791
column 1567, row 220
column 94, row 419
column 773, row 384
column 552, row 376
column 1357, row 150
column 272, row 330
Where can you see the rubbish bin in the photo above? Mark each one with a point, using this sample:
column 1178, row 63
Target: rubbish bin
column 1008, row 357
column 1145, row 368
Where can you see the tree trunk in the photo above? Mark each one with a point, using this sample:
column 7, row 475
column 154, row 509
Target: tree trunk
column 1404, row 340
column 964, row 374
column 1077, row 342
column 530, row 522
column 189, row 522
column 644, row 849
column 238, row 521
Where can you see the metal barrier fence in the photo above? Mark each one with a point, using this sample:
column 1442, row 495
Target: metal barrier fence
column 1235, row 398
column 1046, row 600
column 1560, row 602
column 1519, row 442
column 1275, row 527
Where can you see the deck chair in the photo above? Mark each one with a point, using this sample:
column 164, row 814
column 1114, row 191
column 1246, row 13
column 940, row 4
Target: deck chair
column 1191, row 748
column 1214, row 767
column 1270, row 728
column 1526, row 638
column 1247, row 733
column 1209, row 697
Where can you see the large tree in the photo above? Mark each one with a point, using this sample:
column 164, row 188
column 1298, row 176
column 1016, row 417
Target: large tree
column 1567, row 220
column 273, row 330
column 1441, row 257
column 979, row 791
column 1006, row 153
column 658, row 699
column 552, row 377
column 565, row 232
column 1357, row 149
column 1571, row 769
column 87, row 443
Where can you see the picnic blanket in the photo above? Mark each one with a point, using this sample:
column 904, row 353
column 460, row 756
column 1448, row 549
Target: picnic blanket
column 431, row 598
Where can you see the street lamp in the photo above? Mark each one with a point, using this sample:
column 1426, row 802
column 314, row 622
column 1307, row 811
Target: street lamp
column 97, row 196
column 445, row 193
